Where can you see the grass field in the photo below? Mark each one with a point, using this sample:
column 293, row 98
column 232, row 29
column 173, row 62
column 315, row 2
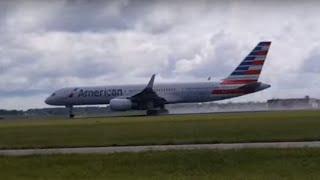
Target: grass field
column 198, row 164
column 213, row 128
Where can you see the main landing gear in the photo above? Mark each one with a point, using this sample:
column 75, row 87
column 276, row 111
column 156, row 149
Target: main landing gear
column 155, row 112
column 70, row 110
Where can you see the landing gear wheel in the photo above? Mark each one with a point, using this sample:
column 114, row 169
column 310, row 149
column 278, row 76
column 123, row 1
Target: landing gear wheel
column 163, row 111
column 155, row 112
column 70, row 109
column 152, row 112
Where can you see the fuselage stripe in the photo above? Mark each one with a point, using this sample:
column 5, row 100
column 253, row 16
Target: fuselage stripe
column 238, row 81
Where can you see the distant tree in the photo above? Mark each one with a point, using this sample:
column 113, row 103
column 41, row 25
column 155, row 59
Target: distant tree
column 10, row 112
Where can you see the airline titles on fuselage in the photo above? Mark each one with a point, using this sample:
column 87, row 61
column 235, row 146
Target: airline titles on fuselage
column 99, row 93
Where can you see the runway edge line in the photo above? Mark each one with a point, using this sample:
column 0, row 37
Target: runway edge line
column 136, row 149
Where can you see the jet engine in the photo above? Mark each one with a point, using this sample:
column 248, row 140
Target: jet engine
column 118, row 104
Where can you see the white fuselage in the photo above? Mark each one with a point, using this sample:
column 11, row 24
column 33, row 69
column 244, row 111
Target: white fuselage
column 171, row 92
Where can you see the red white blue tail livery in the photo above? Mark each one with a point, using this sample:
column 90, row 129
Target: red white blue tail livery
column 244, row 79
column 250, row 68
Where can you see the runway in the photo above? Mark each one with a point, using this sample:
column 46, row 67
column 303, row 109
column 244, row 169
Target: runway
column 136, row 149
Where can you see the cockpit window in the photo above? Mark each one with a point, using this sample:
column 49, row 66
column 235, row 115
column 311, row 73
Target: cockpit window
column 53, row 94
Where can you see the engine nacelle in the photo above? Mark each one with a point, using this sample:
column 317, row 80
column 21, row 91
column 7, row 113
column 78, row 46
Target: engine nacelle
column 120, row 104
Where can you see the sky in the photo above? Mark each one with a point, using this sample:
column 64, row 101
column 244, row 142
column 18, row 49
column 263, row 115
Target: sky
column 47, row 45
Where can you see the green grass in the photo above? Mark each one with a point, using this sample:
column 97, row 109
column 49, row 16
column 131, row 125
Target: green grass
column 198, row 164
column 217, row 128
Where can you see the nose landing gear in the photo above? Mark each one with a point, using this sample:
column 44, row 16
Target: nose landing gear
column 70, row 110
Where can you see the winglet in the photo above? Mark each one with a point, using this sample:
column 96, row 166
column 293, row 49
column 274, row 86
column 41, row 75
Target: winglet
column 150, row 84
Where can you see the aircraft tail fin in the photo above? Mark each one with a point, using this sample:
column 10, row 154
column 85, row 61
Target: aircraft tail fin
column 250, row 68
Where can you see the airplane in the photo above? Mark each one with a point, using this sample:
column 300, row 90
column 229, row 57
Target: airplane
column 153, row 97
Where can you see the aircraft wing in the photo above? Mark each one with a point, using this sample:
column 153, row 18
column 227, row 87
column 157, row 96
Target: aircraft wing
column 148, row 98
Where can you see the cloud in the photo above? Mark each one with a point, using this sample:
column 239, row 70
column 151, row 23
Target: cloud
column 45, row 45
column 312, row 63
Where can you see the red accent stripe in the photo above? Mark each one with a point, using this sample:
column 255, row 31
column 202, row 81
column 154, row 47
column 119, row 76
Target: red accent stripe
column 238, row 81
column 261, row 53
column 227, row 91
column 252, row 72
column 258, row 62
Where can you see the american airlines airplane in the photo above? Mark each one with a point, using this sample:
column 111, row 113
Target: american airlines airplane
column 153, row 98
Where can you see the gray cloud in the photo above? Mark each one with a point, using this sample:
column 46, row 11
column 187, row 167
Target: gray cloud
column 312, row 63
column 46, row 45
column 95, row 16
